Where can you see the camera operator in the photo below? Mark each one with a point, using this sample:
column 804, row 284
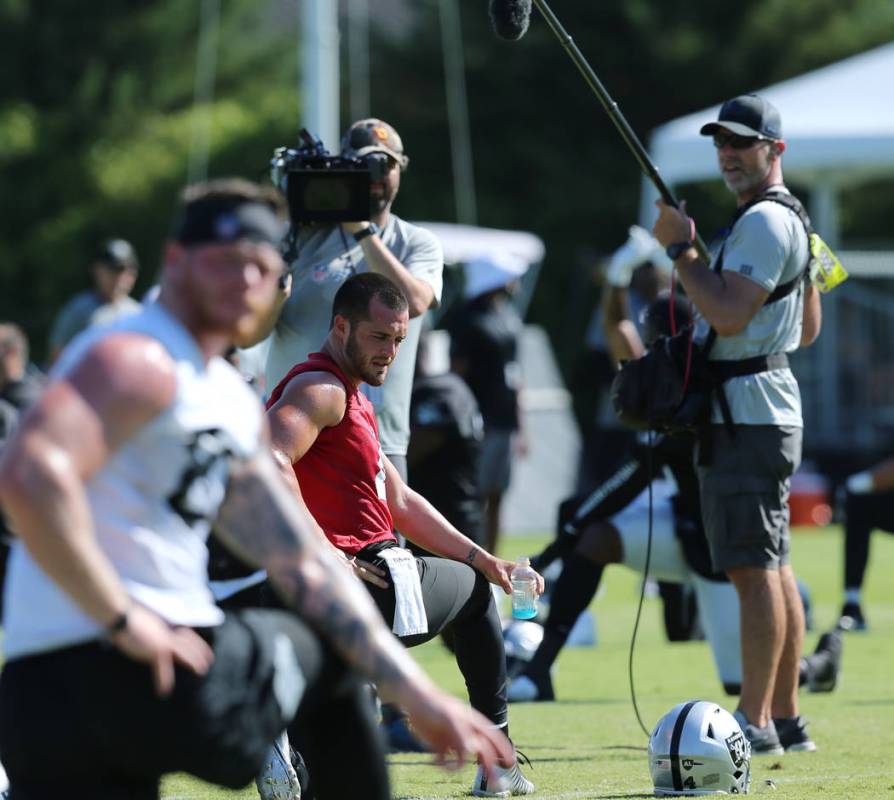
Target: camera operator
column 328, row 254
column 756, row 300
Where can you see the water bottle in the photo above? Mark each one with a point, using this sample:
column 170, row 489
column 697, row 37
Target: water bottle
column 524, row 589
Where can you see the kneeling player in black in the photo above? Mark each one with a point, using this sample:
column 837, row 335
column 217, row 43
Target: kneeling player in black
column 869, row 505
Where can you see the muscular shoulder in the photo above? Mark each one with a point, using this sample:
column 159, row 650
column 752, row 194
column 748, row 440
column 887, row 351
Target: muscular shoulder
column 127, row 368
column 318, row 395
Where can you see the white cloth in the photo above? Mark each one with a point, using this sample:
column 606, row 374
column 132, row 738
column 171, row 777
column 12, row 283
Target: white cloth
column 409, row 609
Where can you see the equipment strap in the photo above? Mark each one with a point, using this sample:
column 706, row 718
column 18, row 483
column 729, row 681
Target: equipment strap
column 725, row 370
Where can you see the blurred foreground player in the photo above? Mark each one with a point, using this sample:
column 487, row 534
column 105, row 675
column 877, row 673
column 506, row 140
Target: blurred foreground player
column 143, row 440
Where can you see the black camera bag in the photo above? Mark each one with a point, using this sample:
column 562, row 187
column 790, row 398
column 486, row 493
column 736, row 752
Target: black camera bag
column 669, row 388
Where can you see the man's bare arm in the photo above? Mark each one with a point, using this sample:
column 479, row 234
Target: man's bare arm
column 264, row 523
column 418, row 292
column 423, row 524
column 311, row 402
column 727, row 301
column 624, row 342
column 812, row 319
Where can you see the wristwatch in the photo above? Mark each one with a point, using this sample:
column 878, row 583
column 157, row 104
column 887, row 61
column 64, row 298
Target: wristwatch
column 370, row 230
column 675, row 250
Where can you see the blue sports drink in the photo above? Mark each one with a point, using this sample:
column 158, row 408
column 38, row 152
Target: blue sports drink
column 524, row 589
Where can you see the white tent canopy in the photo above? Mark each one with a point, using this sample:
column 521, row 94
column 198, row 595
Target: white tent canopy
column 465, row 242
column 838, row 123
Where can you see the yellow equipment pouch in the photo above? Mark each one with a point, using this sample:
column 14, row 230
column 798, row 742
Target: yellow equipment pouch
column 826, row 271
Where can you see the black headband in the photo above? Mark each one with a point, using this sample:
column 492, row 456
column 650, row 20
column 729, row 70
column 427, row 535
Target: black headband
column 206, row 222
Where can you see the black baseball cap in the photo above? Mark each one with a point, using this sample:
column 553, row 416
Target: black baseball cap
column 747, row 115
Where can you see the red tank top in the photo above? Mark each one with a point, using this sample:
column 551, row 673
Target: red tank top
column 342, row 477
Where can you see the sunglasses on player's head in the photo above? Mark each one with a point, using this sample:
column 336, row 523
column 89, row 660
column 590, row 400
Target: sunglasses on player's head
column 736, row 141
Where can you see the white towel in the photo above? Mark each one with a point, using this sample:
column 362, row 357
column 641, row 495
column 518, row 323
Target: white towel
column 409, row 610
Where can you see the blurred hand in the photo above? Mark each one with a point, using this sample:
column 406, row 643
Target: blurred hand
column 148, row 638
column 455, row 732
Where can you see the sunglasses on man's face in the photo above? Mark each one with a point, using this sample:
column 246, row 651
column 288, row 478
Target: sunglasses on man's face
column 736, row 141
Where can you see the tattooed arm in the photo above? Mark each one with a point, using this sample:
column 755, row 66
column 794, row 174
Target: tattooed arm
column 265, row 524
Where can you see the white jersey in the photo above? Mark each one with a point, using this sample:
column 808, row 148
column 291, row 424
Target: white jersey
column 153, row 502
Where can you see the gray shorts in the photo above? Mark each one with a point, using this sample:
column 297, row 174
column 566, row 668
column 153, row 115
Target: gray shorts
column 744, row 495
column 495, row 464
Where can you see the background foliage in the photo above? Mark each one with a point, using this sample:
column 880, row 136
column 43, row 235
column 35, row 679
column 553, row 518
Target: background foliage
column 97, row 114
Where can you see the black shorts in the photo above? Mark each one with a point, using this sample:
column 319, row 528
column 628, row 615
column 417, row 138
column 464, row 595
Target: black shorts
column 85, row 720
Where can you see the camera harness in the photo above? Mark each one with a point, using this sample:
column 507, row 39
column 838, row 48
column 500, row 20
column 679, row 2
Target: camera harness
column 722, row 371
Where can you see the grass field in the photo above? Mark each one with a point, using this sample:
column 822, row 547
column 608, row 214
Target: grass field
column 588, row 744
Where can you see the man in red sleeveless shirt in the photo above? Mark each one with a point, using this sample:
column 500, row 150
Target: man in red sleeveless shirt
column 326, row 442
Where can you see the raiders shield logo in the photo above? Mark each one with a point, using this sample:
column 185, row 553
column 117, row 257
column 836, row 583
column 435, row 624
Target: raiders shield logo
column 739, row 748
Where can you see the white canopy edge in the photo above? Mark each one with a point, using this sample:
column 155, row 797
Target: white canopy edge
column 463, row 243
column 837, row 121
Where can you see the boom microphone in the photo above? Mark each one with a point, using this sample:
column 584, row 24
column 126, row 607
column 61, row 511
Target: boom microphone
column 510, row 18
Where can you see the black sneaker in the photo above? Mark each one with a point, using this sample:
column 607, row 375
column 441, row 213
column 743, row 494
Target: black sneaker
column 824, row 666
column 852, row 618
column 793, row 735
column 764, row 741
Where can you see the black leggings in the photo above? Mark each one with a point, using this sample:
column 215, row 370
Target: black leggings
column 113, row 737
column 459, row 599
column 863, row 514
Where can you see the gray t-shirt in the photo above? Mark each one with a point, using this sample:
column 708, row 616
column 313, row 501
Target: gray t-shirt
column 85, row 310
column 326, row 259
column 767, row 245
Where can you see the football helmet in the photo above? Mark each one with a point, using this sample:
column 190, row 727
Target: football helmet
column 696, row 749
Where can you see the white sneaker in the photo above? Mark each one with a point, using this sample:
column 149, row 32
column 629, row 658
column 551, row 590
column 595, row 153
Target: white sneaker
column 278, row 779
column 507, row 782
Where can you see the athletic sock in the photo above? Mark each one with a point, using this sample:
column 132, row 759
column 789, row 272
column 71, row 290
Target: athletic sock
column 852, row 596
column 572, row 593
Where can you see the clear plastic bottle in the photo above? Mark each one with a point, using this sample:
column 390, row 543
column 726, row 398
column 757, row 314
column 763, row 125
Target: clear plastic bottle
column 524, row 589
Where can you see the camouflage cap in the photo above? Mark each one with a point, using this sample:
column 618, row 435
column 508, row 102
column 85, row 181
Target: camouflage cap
column 373, row 136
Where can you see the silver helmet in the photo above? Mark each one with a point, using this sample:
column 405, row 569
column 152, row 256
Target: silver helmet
column 697, row 748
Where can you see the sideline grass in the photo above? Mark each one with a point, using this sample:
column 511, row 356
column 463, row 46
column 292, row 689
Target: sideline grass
column 588, row 744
